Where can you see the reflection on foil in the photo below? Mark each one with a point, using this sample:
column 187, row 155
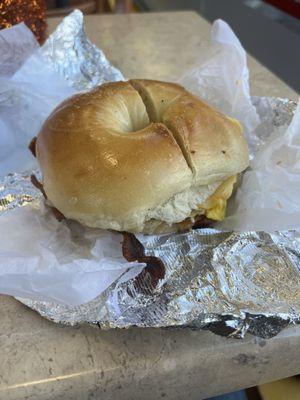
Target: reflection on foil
column 16, row 190
column 273, row 113
column 73, row 55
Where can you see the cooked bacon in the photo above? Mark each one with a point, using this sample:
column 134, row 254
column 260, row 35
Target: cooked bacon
column 32, row 146
column 203, row 222
column 38, row 185
column 133, row 250
column 57, row 214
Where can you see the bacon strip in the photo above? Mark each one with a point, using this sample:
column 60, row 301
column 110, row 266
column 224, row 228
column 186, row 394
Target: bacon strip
column 32, row 146
column 133, row 250
column 38, row 185
column 57, row 214
column 203, row 222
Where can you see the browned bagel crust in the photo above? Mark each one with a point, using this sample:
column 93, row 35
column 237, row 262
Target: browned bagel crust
column 111, row 155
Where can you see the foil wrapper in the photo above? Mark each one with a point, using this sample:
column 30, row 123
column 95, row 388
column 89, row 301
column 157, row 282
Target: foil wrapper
column 227, row 282
column 73, row 55
column 16, row 190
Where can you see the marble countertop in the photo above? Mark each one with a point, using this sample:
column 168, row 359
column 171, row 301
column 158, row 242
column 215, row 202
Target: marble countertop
column 41, row 360
column 164, row 45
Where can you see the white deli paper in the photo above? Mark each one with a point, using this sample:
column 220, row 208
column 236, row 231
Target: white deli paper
column 29, row 91
column 43, row 259
column 269, row 196
column 222, row 79
column 40, row 258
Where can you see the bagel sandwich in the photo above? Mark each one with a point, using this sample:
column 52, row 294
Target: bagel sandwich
column 140, row 156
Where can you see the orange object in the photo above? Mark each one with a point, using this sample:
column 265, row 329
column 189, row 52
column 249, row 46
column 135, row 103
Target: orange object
column 32, row 12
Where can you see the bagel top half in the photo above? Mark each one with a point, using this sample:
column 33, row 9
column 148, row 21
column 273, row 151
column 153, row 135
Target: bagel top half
column 139, row 156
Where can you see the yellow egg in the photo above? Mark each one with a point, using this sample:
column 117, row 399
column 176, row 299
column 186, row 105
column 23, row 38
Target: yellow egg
column 218, row 212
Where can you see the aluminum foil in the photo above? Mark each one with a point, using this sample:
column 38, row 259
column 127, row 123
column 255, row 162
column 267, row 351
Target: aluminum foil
column 229, row 283
column 73, row 55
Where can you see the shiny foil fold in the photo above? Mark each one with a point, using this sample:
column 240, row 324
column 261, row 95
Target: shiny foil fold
column 75, row 57
column 229, row 283
column 226, row 282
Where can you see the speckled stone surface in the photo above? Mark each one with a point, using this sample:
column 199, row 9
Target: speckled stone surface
column 41, row 360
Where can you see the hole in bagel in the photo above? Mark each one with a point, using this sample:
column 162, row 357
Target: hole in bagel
column 125, row 117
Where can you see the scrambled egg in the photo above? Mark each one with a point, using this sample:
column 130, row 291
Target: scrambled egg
column 218, row 212
column 215, row 205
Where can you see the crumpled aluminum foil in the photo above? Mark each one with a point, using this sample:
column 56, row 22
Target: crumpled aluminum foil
column 75, row 57
column 228, row 283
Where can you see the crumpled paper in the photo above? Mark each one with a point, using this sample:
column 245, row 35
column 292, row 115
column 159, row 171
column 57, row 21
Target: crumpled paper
column 269, row 196
column 222, row 80
column 34, row 80
column 44, row 259
column 29, row 90
column 39, row 257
